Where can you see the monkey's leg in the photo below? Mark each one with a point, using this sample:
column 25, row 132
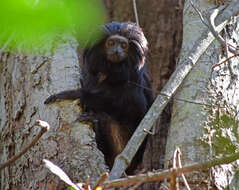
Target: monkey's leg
column 64, row 95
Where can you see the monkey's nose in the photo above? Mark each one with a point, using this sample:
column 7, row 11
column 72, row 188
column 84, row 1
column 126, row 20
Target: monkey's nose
column 119, row 50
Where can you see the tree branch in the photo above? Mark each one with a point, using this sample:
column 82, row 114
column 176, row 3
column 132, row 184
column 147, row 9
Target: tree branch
column 184, row 67
column 159, row 176
column 44, row 128
column 210, row 17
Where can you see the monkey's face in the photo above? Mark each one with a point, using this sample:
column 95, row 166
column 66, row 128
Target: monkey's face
column 116, row 48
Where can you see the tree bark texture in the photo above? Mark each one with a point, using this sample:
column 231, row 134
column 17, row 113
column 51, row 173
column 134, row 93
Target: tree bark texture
column 161, row 22
column 209, row 130
column 25, row 82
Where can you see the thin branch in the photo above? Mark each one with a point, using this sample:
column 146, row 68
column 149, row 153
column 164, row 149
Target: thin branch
column 218, row 64
column 101, row 180
column 184, row 67
column 199, row 13
column 164, row 186
column 174, row 98
column 44, row 128
column 180, row 166
column 210, row 24
column 227, row 54
column 174, row 179
column 234, row 77
column 136, row 12
column 159, row 176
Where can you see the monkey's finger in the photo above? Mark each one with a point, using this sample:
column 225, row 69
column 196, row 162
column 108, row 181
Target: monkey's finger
column 50, row 99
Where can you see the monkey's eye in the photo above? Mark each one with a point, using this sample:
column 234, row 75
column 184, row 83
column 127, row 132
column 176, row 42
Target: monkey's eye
column 110, row 42
column 124, row 45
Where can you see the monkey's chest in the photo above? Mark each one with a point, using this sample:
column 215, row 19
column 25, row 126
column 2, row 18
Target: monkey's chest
column 127, row 106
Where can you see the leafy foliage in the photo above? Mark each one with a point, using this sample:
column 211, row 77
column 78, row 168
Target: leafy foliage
column 222, row 134
column 33, row 24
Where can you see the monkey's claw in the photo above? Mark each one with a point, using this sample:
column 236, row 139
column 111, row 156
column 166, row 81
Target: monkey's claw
column 50, row 99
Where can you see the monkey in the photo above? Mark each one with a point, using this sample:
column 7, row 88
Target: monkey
column 116, row 88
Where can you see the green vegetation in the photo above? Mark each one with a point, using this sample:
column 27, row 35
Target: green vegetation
column 222, row 134
column 30, row 25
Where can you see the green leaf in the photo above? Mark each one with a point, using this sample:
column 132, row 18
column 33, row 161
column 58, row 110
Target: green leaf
column 34, row 24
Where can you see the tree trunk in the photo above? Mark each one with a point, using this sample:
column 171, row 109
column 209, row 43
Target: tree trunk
column 206, row 126
column 25, row 82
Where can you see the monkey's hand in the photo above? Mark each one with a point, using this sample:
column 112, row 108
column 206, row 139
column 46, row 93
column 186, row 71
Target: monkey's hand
column 50, row 99
column 64, row 95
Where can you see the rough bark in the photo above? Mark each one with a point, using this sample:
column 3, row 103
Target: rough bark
column 205, row 131
column 25, row 82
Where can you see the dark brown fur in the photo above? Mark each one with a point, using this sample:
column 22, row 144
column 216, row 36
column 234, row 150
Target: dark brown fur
column 115, row 88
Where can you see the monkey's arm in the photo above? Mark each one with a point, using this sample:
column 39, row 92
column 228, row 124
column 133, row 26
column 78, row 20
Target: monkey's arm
column 64, row 95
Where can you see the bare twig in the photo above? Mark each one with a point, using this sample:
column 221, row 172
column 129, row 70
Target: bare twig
column 149, row 132
column 234, row 77
column 174, row 179
column 101, row 180
column 174, row 98
column 86, row 186
column 175, row 157
column 159, row 176
column 180, row 166
column 44, row 128
column 218, row 64
column 199, row 13
column 184, row 67
column 164, row 186
column 136, row 186
column 227, row 54
column 210, row 17
column 136, row 12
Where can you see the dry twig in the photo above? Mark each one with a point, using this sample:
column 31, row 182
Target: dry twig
column 101, row 180
column 44, row 128
column 180, row 166
column 136, row 12
column 210, row 23
column 159, row 176
column 216, row 65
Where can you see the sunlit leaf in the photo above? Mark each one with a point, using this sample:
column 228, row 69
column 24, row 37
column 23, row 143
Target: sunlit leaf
column 60, row 173
column 34, row 24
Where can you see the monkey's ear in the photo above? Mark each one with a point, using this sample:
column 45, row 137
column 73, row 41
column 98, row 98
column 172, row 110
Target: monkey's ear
column 140, row 50
column 136, row 55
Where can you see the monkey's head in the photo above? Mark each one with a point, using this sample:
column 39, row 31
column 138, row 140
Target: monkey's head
column 124, row 41
column 122, row 44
